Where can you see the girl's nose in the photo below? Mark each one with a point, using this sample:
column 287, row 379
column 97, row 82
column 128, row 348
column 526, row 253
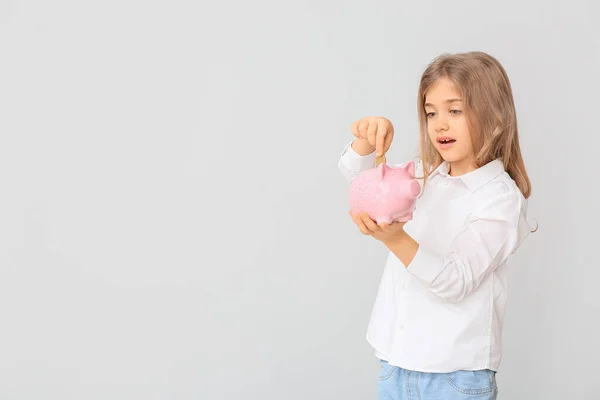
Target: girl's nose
column 442, row 126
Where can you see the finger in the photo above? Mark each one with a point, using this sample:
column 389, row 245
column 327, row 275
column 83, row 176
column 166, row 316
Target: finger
column 359, row 223
column 372, row 138
column 369, row 223
column 383, row 137
column 372, row 131
column 395, row 226
column 354, row 129
column 388, row 140
column 362, row 128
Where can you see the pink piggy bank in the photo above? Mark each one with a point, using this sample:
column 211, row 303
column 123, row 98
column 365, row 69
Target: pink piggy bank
column 386, row 193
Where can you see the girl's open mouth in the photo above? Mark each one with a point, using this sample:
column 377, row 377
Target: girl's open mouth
column 445, row 139
column 445, row 142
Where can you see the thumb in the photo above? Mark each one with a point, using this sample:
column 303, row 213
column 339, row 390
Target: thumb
column 379, row 145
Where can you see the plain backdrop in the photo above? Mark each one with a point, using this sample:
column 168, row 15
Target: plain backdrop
column 172, row 221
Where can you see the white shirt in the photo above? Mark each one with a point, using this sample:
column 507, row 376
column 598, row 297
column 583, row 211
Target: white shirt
column 446, row 310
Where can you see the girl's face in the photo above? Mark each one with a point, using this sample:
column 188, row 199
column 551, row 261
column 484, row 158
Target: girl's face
column 447, row 126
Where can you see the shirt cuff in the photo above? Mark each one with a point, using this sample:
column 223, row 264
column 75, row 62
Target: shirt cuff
column 355, row 162
column 425, row 266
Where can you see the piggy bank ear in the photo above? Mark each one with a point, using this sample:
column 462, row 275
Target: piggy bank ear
column 383, row 169
column 410, row 167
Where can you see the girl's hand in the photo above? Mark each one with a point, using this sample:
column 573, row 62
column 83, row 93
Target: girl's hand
column 378, row 131
column 384, row 232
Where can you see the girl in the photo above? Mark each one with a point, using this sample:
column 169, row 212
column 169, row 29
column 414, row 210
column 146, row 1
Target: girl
column 436, row 324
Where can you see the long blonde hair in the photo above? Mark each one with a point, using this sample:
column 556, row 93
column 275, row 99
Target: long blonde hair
column 489, row 109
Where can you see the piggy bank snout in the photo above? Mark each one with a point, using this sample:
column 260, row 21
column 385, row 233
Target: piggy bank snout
column 414, row 188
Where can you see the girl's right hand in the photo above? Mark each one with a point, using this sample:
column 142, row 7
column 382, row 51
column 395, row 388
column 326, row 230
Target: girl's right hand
column 377, row 131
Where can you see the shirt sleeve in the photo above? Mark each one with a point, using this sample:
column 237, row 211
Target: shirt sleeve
column 486, row 241
column 351, row 164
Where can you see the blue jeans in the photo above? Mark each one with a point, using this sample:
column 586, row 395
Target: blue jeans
column 396, row 383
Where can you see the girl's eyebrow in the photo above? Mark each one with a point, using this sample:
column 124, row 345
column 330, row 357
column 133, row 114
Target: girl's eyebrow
column 447, row 101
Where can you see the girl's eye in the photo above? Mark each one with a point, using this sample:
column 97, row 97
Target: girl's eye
column 430, row 114
column 457, row 112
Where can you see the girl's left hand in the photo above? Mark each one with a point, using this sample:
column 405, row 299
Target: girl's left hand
column 384, row 232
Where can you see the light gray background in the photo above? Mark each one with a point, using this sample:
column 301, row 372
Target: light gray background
column 172, row 221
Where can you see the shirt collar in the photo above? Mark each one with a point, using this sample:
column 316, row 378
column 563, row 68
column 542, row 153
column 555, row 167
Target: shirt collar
column 474, row 179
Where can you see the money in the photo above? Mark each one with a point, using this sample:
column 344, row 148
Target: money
column 380, row 160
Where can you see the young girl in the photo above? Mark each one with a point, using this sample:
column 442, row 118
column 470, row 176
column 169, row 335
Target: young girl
column 436, row 324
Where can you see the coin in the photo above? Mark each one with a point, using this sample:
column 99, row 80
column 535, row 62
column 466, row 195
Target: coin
column 380, row 160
